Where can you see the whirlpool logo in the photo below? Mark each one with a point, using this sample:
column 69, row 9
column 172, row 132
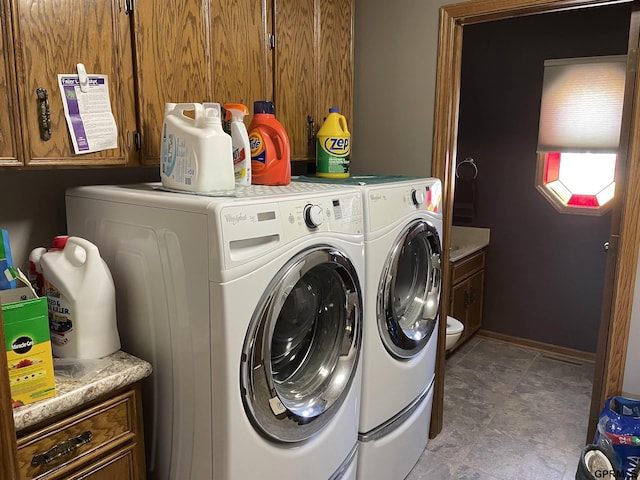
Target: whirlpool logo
column 337, row 146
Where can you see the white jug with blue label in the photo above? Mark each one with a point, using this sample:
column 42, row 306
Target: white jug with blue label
column 81, row 298
column 196, row 153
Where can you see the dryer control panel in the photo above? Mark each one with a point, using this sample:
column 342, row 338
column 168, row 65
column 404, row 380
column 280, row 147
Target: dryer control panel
column 388, row 203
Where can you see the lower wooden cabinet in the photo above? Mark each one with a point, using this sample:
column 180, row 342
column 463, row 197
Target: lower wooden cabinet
column 100, row 440
column 467, row 289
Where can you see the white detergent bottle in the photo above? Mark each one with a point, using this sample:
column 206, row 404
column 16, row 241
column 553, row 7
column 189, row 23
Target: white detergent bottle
column 82, row 301
column 219, row 159
column 196, row 154
column 240, row 142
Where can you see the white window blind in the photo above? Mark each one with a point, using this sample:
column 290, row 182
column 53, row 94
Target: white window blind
column 581, row 108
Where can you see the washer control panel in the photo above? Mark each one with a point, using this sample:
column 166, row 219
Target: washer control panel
column 251, row 228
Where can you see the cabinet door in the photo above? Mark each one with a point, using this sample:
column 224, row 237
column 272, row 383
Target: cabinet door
column 475, row 291
column 335, row 74
column 173, row 63
column 313, row 67
column 241, row 55
column 459, row 301
column 295, row 73
column 9, row 139
column 52, row 38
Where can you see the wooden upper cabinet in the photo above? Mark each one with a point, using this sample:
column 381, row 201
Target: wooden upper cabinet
column 173, row 63
column 241, row 56
column 313, row 67
column 297, row 53
column 295, row 73
column 9, row 133
column 51, row 38
column 335, row 74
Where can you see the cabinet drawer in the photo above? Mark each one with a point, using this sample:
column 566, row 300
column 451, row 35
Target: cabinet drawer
column 463, row 268
column 68, row 445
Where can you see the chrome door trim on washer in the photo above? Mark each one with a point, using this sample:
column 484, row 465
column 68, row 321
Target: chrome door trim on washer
column 409, row 290
column 302, row 347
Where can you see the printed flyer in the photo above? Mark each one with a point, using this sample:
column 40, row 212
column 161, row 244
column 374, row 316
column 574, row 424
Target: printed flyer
column 88, row 112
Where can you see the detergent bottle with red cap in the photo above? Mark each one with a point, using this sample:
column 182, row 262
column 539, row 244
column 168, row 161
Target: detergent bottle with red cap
column 81, row 301
column 34, row 274
column 270, row 150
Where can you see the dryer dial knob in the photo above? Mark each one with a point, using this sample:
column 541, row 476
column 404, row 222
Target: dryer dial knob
column 313, row 216
column 417, row 197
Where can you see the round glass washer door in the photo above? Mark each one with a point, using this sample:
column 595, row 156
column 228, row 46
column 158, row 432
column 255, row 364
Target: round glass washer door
column 409, row 291
column 302, row 348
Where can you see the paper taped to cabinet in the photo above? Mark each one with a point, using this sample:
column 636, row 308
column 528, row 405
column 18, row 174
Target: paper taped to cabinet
column 88, row 113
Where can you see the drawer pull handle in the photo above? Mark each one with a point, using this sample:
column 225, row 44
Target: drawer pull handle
column 64, row 448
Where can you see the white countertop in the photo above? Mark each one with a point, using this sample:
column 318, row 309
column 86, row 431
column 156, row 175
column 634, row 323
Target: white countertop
column 467, row 240
column 117, row 370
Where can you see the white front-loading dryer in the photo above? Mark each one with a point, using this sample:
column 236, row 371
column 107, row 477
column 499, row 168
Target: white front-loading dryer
column 403, row 229
column 250, row 310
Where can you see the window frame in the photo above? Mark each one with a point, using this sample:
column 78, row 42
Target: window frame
column 556, row 201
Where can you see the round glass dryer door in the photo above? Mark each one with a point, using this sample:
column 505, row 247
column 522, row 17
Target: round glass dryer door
column 301, row 350
column 409, row 291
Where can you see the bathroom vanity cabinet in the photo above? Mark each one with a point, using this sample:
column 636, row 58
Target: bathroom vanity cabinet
column 467, row 288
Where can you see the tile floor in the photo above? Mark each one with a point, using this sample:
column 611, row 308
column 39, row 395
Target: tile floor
column 510, row 413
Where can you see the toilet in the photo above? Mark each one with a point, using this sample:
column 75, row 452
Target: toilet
column 454, row 332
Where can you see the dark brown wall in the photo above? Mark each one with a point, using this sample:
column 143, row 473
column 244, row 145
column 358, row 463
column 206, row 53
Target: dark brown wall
column 545, row 270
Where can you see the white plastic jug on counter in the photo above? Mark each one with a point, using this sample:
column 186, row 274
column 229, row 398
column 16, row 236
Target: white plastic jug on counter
column 196, row 153
column 82, row 301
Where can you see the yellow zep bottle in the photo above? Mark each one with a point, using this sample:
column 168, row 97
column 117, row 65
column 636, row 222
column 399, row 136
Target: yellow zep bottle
column 334, row 147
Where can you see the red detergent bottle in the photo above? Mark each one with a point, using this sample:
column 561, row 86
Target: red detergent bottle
column 270, row 151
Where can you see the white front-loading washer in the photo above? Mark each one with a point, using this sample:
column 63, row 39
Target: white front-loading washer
column 250, row 311
column 403, row 231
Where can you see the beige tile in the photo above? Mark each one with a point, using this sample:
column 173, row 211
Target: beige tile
column 432, row 467
column 464, row 472
column 573, row 372
column 509, row 413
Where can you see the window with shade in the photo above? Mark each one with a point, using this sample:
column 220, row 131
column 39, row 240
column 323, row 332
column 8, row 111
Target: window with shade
column 579, row 132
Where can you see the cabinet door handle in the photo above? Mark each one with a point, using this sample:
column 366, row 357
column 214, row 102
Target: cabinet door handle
column 64, row 448
column 311, row 129
column 44, row 115
column 472, row 295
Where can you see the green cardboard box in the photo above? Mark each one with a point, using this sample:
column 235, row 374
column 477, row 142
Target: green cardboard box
column 28, row 346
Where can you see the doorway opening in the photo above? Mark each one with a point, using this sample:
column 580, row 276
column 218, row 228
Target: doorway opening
column 621, row 261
